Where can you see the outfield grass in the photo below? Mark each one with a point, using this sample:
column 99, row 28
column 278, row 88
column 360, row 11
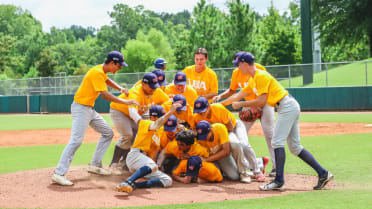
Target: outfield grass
column 28, row 122
column 345, row 75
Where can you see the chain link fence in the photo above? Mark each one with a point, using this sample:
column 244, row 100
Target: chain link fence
column 358, row 73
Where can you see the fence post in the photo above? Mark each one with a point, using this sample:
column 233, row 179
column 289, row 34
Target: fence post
column 223, row 82
column 326, row 67
column 289, row 75
column 366, row 74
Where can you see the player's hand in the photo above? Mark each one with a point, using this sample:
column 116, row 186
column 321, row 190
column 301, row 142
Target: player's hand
column 132, row 102
column 176, row 105
column 236, row 105
column 124, row 91
column 185, row 156
column 170, row 95
column 215, row 99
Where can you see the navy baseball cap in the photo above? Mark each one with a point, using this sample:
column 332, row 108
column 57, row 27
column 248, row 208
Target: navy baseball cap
column 151, row 79
column 194, row 163
column 244, row 57
column 201, row 104
column 237, row 55
column 159, row 63
column 117, row 57
column 157, row 111
column 202, row 129
column 161, row 77
column 171, row 124
column 180, row 79
column 180, row 97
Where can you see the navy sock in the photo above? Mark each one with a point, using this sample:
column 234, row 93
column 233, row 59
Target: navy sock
column 143, row 171
column 310, row 160
column 149, row 183
column 279, row 164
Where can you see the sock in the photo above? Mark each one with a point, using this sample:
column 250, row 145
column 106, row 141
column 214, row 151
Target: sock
column 143, row 171
column 310, row 160
column 279, row 164
column 149, row 183
column 124, row 155
column 118, row 152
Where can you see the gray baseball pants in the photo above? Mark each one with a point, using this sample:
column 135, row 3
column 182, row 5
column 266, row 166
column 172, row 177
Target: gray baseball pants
column 82, row 117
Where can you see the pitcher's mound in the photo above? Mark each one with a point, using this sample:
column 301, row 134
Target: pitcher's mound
column 34, row 189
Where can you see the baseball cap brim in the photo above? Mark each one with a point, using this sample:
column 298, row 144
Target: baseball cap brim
column 124, row 64
column 202, row 136
column 154, row 85
column 200, row 110
column 162, row 83
column 170, row 128
column 236, row 63
column 180, row 83
column 183, row 108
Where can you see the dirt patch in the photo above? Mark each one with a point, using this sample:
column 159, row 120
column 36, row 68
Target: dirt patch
column 34, row 189
column 62, row 136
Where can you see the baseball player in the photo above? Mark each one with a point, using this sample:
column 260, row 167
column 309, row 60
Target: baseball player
column 161, row 79
column 184, row 114
column 94, row 83
column 271, row 92
column 200, row 77
column 180, row 86
column 240, row 79
column 127, row 117
column 189, row 152
column 227, row 154
column 217, row 113
column 140, row 159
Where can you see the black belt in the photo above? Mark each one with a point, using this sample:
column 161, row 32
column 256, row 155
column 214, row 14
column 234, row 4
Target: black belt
column 278, row 103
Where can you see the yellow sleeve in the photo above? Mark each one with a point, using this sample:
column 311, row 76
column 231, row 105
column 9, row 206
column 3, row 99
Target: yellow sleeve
column 159, row 96
column 222, row 133
column 181, row 168
column 213, row 83
column 234, row 80
column 198, row 150
column 98, row 81
column 262, row 84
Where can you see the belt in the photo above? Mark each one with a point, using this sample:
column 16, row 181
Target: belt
column 278, row 103
column 137, row 149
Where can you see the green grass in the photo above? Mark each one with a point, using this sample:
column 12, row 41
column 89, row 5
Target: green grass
column 343, row 75
column 28, row 122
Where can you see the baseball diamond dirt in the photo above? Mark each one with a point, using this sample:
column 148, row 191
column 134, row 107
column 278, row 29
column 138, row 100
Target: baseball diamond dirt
column 35, row 189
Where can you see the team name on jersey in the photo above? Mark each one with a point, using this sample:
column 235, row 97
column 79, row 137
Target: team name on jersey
column 156, row 139
column 197, row 84
column 214, row 149
column 242, row 85
column 255, row 91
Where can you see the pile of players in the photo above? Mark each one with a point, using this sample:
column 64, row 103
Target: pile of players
column 179, row 131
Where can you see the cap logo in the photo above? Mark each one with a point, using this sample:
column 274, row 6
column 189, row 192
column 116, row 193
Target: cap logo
column 200, row 131
column 154, row 113
column 160, row 78
column 198, row 105
column 191, row 167
column 170, row 123
column 145, row 80
column 154, row 80
column 115, row 58
column 180, row 77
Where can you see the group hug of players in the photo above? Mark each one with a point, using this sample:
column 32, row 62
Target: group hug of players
column 179, row 131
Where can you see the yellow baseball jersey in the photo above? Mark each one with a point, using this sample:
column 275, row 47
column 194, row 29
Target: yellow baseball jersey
column 164, row 140
column 182, row 116
column 238, row 80
column 264, row 83
column 146, row 140
column 190, row 93
column 195, row 150
column 208, row 171
column 204, row 83
column 144, row 100
column 93, row 83
column 220, row 114
column 220, row 137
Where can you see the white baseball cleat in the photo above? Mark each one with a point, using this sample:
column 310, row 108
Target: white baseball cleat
column 61, row 180
column 98, row 170
column 244, row 177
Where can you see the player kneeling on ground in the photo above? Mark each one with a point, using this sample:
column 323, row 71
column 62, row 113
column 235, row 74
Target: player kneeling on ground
column 140, row 159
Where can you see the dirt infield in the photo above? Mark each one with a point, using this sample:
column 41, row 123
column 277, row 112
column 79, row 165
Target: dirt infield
column 62, row 136
column 34, row 189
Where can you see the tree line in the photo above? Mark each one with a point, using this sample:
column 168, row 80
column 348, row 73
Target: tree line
column 143, row 35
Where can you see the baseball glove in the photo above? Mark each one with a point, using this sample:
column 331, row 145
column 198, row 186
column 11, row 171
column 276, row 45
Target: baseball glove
column 250, row 114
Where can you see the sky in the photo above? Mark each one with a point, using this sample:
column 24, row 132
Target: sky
column 64, row 13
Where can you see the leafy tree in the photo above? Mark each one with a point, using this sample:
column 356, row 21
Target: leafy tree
column 46, row 66
column 139, row 55
column 344, row 22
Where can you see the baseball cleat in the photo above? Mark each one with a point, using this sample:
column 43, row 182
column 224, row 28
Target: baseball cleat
column 244, row 177
column 272, row 172
column 272, row 186
column 98, row 170
column 323, row 180
column 125, row 186
column 61, row 180
column 260, row 178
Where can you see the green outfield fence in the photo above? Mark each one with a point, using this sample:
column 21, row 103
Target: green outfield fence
column 310, row 99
